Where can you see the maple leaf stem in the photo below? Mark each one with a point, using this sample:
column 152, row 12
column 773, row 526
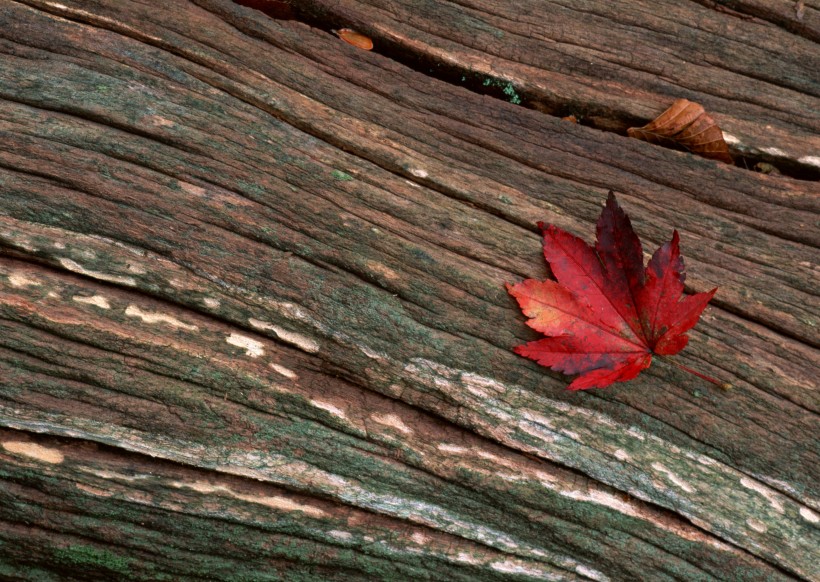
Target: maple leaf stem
column 724, row 385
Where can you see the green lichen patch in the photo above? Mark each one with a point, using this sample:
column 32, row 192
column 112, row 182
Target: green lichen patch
column 93, row 558
column 339, row 175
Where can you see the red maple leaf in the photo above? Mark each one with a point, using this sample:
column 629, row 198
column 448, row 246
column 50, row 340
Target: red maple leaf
column 607, row 314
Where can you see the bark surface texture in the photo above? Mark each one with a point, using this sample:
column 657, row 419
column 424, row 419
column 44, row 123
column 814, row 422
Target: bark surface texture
column 253, row 323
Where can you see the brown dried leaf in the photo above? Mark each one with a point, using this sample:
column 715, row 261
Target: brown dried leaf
column 687, row 125
column 357, row 39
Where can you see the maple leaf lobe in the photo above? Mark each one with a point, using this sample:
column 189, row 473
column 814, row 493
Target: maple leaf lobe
column 607, row 314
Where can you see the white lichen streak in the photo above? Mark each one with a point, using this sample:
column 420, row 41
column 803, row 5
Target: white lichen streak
column 536, row 418
column 274, row 501
column 770, row 495
column 211, row 302
column 635, row 432
column 809, row 515
column 419, row 538
column 517, row 468
column 279, row 469
column 757, row 525
column 22, row 279
column 603, row 498
column 810, row 160
column 96, row 300
column 439, row 517
column 546, row 479
column 253, row 348
column 491, row 457
column 511, row 477
column 549, row 428
column 621, row 455
column 286, row 372
column 302, row 342
column 382, row 270
column 466, row 558
column 565, row 407
column 158, row 121
column 115, row 475
column 539, row 431
column 156, row 317
column 590, row 573
column 77, row 268
column 730, row 139
column 340, row 535
column 418, row 173
column 774, row 152
column 291, row 310
column 34, row 451
column 572, row 410
column 495, row 459
column 511, row 567
column 480, row 385
column 448, row 378
column 326, row 406
column 573, row 435
column 455, row 449
column 94, row 490
column 673, row 478
column 393, row 421
column 193, row 189
column 630, row 508
column 372, row 354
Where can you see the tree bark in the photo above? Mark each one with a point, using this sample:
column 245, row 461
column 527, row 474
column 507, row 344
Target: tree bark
column 253, row 323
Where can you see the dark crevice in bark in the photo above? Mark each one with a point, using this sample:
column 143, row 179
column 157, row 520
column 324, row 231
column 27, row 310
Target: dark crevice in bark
column 600, row 118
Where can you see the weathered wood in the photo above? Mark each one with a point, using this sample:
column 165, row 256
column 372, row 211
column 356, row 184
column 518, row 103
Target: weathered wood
column 799, row 17
column 283, row 422
column 275, row 263
column 620, row 64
